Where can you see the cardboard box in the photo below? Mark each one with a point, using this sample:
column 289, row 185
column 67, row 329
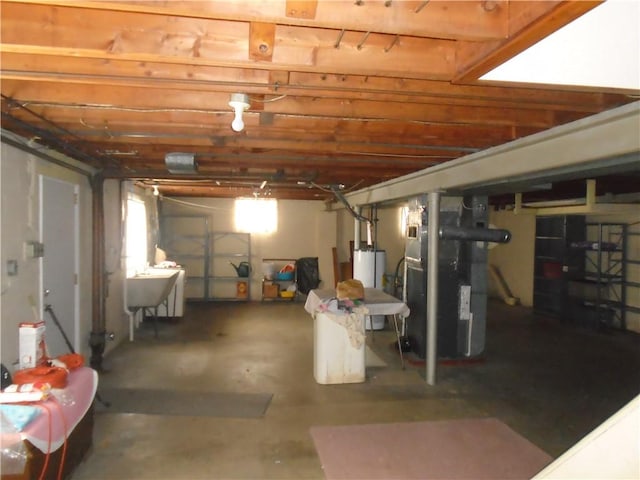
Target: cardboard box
column 270, row 290
column 31, row 345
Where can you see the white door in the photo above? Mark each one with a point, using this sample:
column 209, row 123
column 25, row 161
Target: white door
column 59, row 227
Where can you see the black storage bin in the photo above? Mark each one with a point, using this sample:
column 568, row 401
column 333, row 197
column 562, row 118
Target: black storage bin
column 308, row 276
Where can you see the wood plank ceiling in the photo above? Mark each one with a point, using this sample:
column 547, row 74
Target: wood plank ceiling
column 343, row 94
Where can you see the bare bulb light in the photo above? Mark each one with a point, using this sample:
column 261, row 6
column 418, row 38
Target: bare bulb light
column 237, row 125
column 239, row 102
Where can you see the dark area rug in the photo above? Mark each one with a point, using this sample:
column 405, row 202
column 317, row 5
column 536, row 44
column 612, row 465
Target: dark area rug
column 186, row 403
column 450, row 449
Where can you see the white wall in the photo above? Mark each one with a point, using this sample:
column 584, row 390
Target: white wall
column 514, row 259
column 390, row 237
column 305, row 229
column 20, row 193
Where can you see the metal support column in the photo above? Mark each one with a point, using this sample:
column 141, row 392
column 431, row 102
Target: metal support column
column 356, row 232
column 432, row 287
column 97, row 336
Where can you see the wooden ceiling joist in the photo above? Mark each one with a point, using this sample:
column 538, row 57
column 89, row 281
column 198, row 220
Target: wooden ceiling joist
column 354, row 91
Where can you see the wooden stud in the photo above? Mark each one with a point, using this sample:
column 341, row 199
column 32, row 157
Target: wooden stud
column 261, row 40
column 278, row 78
column 302, row 9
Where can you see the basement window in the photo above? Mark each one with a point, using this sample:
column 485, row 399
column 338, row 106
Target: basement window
column 256, row 215
column 136, row 236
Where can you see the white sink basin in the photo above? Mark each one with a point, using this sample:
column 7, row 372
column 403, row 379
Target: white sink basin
column 151, row 288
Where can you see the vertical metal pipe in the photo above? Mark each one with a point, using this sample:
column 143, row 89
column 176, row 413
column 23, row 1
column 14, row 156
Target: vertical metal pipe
column 374, row 219
column 356, row 232
column 432, row 286
column 98, row 335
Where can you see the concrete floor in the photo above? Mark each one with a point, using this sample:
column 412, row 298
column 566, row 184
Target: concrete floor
column 549, row 382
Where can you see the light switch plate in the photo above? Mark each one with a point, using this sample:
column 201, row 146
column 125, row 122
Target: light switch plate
column 12, row 268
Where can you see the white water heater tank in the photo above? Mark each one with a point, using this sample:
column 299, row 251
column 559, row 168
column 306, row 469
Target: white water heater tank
column 368, row 267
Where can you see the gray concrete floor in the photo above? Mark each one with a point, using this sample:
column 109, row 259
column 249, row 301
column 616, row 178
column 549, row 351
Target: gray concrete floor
column 551, row 383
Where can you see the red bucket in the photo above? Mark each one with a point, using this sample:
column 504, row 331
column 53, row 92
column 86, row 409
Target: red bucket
column 552, row 269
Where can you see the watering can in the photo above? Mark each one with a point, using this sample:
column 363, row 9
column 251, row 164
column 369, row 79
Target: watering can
column 242, row 269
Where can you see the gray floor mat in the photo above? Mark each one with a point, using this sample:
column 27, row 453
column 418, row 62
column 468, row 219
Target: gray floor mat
column 186, row 403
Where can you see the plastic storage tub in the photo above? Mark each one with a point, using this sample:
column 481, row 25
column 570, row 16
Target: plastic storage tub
column 284, row 276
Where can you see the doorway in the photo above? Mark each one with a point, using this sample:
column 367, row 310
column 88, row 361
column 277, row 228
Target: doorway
column 59, row 265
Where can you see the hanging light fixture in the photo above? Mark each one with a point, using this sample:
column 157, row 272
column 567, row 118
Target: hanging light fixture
column 239, row 102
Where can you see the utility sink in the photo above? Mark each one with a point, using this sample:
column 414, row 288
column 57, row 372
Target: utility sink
column 151, row 288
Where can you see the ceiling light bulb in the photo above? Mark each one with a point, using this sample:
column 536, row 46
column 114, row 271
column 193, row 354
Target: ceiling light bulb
column 237, row 125
column 155, row 191
column 239, row 102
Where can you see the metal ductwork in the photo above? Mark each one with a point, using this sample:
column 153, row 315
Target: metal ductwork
column 495, row 235
column 181, row 163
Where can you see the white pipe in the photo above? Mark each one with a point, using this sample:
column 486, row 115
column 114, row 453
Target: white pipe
column 356, row 233
column 404, row 295
column 432, row 286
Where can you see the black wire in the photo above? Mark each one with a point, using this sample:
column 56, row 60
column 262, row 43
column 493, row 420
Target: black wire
column 344, row 201
column 51, row 137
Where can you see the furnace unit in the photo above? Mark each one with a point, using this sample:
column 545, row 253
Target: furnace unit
column 462, row 274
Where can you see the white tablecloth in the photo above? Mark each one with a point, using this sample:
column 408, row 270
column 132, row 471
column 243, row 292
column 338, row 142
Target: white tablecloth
column 376, row 301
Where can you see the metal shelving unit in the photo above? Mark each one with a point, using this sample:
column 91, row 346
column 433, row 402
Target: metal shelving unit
column 632, row 281
column 227, row 248
column 185, row 238
column 555, row 262
column 599, row 295
column 205, row 256
column 269, row 285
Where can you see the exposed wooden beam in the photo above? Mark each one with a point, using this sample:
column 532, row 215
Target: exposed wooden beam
column 313, row 128
column 471, row 20
column 258, row 81
column 520, row 98
column 214, row 102
column 607, row 136
column 528, row 23
column 306, row 9
column 143, row 37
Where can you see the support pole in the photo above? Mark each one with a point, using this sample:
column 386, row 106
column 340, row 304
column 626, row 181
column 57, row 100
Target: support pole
column 432, row 287
column 97, row 337
column 356, row 233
